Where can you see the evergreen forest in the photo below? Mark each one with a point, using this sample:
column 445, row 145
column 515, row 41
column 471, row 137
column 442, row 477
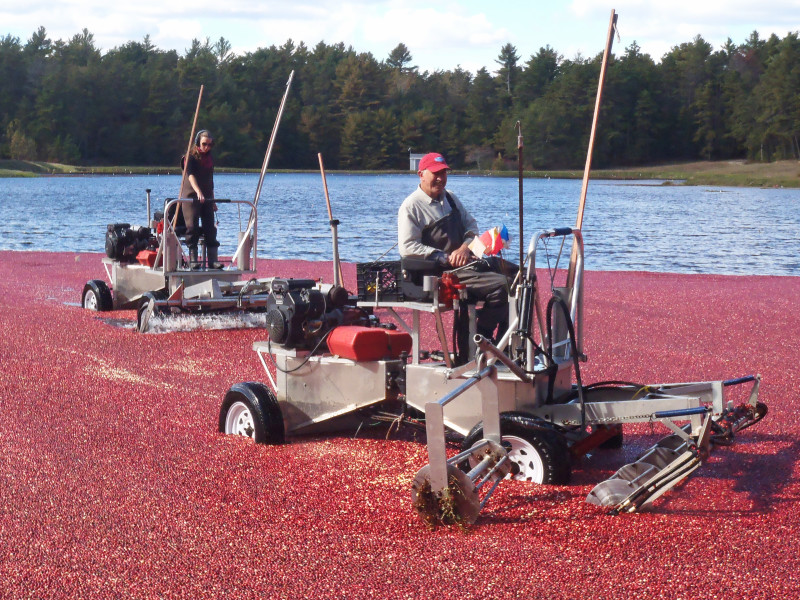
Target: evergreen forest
column 69, row 102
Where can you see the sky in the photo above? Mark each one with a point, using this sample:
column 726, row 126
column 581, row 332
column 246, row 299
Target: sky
column 440, row 35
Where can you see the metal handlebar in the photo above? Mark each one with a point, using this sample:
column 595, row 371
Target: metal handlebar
column 170, row 262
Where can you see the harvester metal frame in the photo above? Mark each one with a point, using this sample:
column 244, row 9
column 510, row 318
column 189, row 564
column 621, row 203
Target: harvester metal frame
column 517, row 379
column 171, row 285
column 516, row 404
column 580, row 418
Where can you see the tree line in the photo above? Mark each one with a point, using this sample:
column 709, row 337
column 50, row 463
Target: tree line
column 66, row 101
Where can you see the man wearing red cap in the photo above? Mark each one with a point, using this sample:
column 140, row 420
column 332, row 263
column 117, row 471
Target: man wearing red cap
column 433, row 224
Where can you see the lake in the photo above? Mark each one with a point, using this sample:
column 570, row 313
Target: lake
column 642, row 226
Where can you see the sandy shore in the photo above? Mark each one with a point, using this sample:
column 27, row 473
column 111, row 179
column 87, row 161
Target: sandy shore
column 115, row 483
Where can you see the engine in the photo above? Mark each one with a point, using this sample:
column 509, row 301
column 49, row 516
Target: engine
column 299, row 314
column 124, row 242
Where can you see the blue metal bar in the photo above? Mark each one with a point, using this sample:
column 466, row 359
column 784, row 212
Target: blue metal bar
column 681, row 412
column 739, row 380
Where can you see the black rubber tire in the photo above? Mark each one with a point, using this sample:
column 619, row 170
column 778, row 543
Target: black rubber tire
column 264, row 411
column 157, row 294
column 545, row 441
column 144, row 301
column 97, row 296
column 615, row 442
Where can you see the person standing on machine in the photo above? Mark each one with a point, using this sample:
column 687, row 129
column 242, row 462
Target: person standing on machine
column 199, row 186
column 433, row 224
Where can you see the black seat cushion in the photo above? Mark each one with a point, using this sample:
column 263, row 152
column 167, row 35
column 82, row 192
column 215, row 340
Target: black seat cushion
column 414, row 271
column 180, row 225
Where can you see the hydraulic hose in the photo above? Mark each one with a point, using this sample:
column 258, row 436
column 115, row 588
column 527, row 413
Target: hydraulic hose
column 556, row 300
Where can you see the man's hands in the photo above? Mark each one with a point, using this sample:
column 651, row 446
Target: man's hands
column 457, row 258
column 460, row 256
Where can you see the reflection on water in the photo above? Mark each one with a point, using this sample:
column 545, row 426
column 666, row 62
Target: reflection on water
column 627, row 226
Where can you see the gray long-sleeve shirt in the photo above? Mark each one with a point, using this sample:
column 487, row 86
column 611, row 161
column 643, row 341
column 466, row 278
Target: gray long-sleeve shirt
column 419, row 210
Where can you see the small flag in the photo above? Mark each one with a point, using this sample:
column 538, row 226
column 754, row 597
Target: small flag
column 491, row 242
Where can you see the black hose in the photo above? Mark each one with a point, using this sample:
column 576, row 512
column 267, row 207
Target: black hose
column 612, row 383
column 574, row 346
column 245, row 288
column 553, row 368
column 302, row 364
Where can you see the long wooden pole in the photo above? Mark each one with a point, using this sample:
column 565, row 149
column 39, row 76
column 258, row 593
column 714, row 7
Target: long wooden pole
column 337, row 266
column 264, row 165
column 189, row 148
column 167, row 243
column 587, row 169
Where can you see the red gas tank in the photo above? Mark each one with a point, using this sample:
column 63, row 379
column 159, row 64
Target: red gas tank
column 367, row 343
column 399, row 342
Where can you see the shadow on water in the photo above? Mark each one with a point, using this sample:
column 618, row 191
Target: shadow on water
column 120, row 323
column 763, row 477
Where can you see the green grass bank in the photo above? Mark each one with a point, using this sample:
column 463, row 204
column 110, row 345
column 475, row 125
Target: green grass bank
column 736, row 173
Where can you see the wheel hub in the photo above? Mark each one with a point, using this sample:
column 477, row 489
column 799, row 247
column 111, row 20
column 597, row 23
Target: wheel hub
column 240, row 421
column 531, row 467
column 90, row 301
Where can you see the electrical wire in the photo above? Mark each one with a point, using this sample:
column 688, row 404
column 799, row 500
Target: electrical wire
column 310, row 354
column 384, row 254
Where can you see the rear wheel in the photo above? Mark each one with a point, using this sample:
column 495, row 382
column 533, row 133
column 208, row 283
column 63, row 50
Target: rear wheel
column 540, row 453
column 251, row 410
column 96, row 296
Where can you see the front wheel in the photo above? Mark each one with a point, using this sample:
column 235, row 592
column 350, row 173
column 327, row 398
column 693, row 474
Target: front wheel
column 147, row 308
column 96, row 296
column 251, row 410
column 540, row 453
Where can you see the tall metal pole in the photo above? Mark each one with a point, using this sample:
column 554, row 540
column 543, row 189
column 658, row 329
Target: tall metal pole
column 265, row 164
column 272, row 138
column 612, row 24
column 519, row 177
column 337, row 266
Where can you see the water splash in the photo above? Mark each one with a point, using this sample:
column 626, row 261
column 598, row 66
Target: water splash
column 169, row 323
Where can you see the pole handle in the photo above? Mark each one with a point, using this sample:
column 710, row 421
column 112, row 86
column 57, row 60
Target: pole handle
column 337, row 266
column 521, row 209
column 612, row 24
column 264, row 165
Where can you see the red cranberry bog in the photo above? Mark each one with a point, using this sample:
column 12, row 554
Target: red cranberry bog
column 116, row 483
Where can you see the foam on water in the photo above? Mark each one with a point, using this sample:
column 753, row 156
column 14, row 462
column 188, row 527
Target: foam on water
column 193, row 322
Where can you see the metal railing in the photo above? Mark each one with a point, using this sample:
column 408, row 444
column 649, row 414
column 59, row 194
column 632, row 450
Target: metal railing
column 170, row 253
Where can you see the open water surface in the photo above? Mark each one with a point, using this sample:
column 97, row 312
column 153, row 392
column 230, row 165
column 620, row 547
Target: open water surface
column 642, row 226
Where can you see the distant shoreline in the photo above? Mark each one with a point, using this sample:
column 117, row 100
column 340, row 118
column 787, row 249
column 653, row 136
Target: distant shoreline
column 732, row 173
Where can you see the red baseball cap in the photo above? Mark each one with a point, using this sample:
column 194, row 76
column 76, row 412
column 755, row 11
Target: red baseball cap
column 433, row 162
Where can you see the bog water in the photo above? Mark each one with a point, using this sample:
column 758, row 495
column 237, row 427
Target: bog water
column 643, row 226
